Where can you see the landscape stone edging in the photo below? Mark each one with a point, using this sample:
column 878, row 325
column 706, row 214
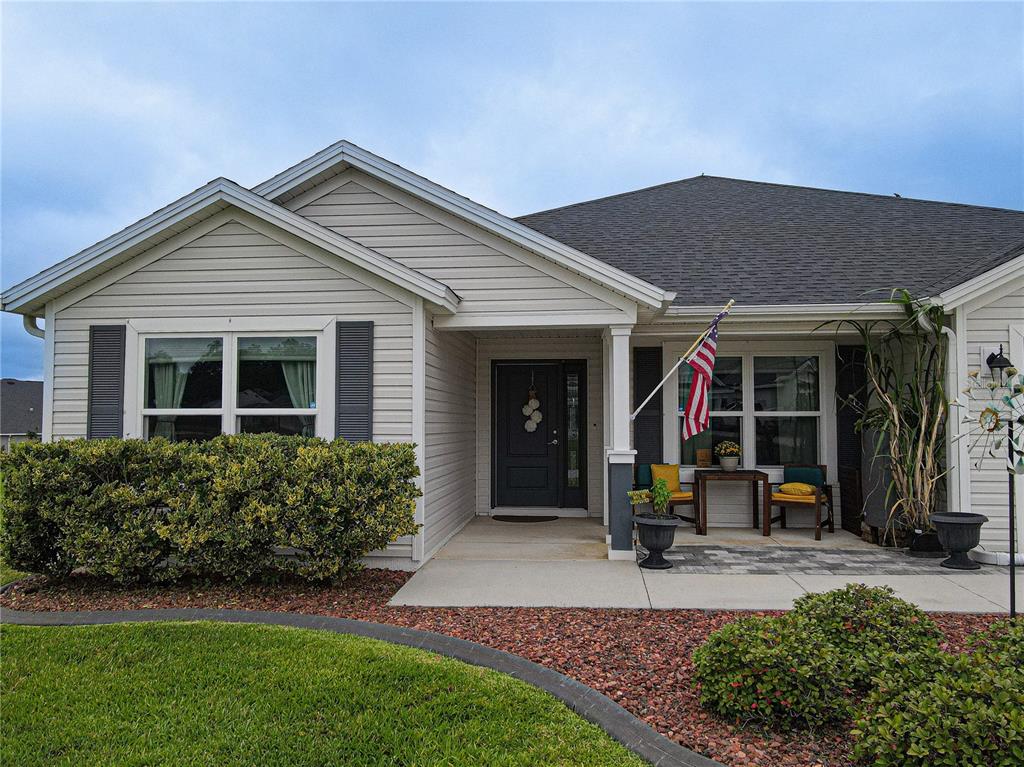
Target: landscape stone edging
column 585, row 701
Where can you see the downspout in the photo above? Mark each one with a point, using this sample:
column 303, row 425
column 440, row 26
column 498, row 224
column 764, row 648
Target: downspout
column 31, row 324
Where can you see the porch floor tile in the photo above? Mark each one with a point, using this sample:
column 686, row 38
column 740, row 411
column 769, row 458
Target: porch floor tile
column 793, row 560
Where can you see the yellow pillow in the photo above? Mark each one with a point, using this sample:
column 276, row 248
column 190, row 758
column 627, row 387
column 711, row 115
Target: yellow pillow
column 797, row 488
column 668, row 472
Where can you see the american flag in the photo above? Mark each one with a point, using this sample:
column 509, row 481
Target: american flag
column 702, row 359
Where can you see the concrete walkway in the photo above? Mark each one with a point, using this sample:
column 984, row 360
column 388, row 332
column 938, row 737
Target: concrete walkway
column 564, row 564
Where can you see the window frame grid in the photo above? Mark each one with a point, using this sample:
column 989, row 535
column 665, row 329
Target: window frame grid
column 747, row 351
column 228, row 410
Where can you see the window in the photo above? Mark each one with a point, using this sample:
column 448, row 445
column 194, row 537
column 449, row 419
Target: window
column 726, row 401
column 770, row 404
column 190, row 394
column 183, row 387
column 787, row 388
column 277, row 383
column 572, row 421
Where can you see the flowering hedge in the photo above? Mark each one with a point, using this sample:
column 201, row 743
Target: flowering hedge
column 238, row 507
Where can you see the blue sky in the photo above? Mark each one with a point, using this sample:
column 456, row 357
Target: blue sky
column 110, row 111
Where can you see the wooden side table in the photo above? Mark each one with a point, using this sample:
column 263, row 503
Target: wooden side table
column 701, row 477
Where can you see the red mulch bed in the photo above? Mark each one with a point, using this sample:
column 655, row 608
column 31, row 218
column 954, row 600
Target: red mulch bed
column 639, row 658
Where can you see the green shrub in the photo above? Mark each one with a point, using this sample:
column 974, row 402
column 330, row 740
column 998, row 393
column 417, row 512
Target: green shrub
column 772, row 671
column 944, row 710
column 225, row 514
column 33, row 474
column 1002, row 643
column 866, row 624
column 112, row 504
column 345, row 500
column 130, row 511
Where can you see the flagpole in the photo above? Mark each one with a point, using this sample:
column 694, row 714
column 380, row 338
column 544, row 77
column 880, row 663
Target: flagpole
column 679, row 362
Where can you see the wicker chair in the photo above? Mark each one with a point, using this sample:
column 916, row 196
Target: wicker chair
column 811, row 474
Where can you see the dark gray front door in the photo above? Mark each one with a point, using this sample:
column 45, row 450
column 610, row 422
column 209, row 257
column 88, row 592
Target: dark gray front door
column 539, row 434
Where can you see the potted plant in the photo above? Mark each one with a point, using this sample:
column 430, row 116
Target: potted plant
column 728, row 455
column 657, row 528
column 903, row 409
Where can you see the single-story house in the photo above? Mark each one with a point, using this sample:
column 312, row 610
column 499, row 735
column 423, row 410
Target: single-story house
column 21, row 411
column 348, row 296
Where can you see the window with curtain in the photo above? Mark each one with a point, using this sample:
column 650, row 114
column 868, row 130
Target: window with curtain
column 276, row 380
column 772, row 400
column 183, row 388
column 787, row 409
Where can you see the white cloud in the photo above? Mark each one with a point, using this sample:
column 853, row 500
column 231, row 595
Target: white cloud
column 612, row 129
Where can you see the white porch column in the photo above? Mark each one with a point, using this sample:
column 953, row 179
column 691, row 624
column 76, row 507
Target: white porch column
column 620, row 454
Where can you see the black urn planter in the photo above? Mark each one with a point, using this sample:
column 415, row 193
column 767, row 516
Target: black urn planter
column 958, row 534
column 925, row 545
column 656, row 535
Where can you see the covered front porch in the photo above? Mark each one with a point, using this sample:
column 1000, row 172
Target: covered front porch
column 774, row 393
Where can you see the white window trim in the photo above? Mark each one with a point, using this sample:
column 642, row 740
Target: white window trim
column 747, row 350
column 135, row 357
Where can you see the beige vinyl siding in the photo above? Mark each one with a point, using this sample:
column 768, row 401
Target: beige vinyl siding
column 987, row 326
column 529, row 346
column 450, row 443
column 488, row 281
column 234, row 271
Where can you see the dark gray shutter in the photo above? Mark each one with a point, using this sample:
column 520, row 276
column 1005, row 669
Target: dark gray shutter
column 106, row 382
column 354, row 381
column 647, row 428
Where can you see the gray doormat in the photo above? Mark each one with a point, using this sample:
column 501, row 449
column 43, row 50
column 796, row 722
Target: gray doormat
column 521, row 518
column 783, row 560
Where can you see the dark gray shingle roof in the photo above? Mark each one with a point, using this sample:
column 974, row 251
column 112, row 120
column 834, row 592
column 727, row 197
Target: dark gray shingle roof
column 21, row 406
column 711, row 238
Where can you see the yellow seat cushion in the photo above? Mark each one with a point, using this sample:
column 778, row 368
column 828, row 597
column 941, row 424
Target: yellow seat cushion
column 668, row 472
column 797, row 488
column 786, row 498
column 682, row 495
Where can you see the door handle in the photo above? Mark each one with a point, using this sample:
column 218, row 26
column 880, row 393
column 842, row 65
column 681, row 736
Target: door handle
column 553, row 442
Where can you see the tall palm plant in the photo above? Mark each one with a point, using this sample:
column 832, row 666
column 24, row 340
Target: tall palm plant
column 906, row 405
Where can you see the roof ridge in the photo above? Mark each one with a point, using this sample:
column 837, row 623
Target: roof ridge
column 613, row 196
column 864, row 194
column 770, row 184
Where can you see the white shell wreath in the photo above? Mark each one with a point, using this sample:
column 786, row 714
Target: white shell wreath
column 532, row 409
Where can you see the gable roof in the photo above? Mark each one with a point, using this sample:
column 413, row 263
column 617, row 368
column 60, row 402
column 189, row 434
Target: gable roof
column 711, row 238
column 31, row 295
column 21, row 406
column 344, row 154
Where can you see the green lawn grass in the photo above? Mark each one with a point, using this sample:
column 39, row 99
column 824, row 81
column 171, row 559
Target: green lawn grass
column 7, row 574
column 219, row 694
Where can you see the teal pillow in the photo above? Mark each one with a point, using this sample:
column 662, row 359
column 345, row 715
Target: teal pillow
column 644, row 480
column 809, row 475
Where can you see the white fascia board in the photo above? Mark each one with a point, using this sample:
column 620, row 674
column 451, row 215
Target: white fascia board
column 643, row 292
column 27, row 295
column 978, row 286
column 782, row 312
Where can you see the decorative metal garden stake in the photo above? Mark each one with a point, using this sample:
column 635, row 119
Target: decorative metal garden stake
column 999, row 408
column 1013, row 513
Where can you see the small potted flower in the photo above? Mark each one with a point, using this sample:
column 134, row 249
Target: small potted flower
column 658, row 528
column 728, row 455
